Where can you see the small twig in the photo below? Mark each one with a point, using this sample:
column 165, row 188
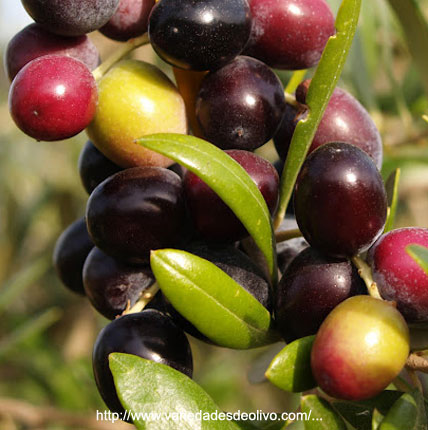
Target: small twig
column 145, row 298
column 290, row 99
column 129, row 46
column 417, row 362
column 415, row 380
column 365, row 272
column 282, row 236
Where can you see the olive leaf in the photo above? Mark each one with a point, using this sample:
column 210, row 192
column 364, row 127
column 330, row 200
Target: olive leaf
column 361, row 414
column 419, row 253
column 407, row 413
column 320, row 90
column 228, row 179
column 391, row 186
column 211, row 300
column 377, row 419
column 171, row 400
column 321, row 416
column 290, row 370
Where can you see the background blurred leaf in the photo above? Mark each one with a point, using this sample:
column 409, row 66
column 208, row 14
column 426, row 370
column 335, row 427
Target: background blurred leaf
column 30, row 328
column 415, row 29
column 13, row 288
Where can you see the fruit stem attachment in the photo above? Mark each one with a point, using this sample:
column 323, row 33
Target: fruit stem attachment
column 417, row 362
column 283, row 235
column 128, row 47
column 143, row 301
column 290, row 99
column 365, row 273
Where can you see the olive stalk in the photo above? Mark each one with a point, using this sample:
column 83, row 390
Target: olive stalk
column 365, row 273
column 143, row 301
column 283, row 235
column 128, row 47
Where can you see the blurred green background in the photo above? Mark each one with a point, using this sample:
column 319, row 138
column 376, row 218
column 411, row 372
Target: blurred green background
column 47, row 333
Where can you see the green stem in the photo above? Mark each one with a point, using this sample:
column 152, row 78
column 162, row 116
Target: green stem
column 282, row 236
column 365, row 272
column 128, row 47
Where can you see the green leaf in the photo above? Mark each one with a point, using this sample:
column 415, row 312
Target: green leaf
column 144, row 386
column 377, row 419
column 228, row 179
column 322, row 86
column 360, row 414
column 415, row 29
column 407, row 413
column 322, row 415
column 392, row 193
column 211, row 300
column 291, row 370
column 419, row 253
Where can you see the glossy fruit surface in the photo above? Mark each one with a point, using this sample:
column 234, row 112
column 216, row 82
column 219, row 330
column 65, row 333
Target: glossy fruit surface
column 238, row 266
column 34, row 41
column 148, row 334
column 199, row 35
column 131, row 19
column 94, row 167
column 135, row 211
column 290, row 34
column 111, row 285
column 71, row 17
column 344, row 120
column 360, row 348
column 340, row 200
column 135, row 99
column 398, row 276
column 53, row 97
column 311, row 287
column 240, row 106
column 71, row 250
column 211, row 217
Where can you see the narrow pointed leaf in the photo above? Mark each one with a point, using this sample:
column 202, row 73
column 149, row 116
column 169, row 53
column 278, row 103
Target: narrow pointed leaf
column 377, row 419
column 392, row 193
column 322, row 415
column 228, row 179
column 360, row 414
column 322, row 86
column 420, row 254
column 290, row 370
column 211, row 300
column 407, row 413
column 146, row 387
